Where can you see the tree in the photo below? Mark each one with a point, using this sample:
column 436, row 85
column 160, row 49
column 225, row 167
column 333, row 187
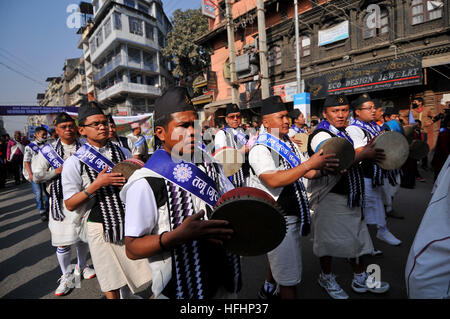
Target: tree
column 188, row 57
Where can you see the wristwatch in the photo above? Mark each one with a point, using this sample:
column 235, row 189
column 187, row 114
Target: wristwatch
column 87, row 193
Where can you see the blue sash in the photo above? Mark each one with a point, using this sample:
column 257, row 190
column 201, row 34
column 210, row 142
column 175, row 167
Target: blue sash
column 280, row 147
column 239, row 135
column 371, row 127
column 89, row 156
column 297, row 129
column 51, row 156
column 184, row 174
column 444, row 129
column 34, row 147
column 140, row 142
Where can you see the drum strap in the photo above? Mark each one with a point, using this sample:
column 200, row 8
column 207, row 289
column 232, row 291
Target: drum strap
column 107, row 197
column 56, row 191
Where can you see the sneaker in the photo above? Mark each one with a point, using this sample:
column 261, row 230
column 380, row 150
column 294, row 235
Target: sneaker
column 268, row 295
column 420, row 179
column 387, row 237
column 44, row 217
column 332, row 287
column 369, row 284
column 65, row 285
column 88, row 273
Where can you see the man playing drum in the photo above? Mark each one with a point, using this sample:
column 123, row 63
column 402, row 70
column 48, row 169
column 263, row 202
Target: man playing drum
column 362, row 130
column 165, row 219
column 339, row 230
column 279, row 168
column 232, row 135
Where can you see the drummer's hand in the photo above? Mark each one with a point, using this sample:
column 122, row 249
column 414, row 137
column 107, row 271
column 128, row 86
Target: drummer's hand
column 319, row 161
column 106, row 179
column 59, row 170
column 374, row 154
column 296, row 141
column 194, row 227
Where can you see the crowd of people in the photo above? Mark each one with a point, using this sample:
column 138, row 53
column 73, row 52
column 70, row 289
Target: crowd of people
column 154, row 227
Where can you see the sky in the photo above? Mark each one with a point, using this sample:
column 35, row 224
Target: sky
column 34, row 43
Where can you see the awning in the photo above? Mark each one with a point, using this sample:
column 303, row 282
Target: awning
column 435, row 60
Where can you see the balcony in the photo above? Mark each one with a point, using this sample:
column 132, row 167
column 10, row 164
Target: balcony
column 126, row 87
column 118, row 61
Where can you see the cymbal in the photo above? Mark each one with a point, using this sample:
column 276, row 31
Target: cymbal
column 342, row 148
column 303, row 137
column 230, row 159
column 395, row 147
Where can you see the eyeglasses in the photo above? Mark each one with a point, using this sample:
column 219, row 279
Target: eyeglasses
column 368, row 108
column 96, row 125
column 234, row 117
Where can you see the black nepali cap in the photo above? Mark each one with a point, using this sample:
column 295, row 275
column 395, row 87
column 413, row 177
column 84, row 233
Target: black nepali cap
column 361, row 99
column 86, row 110
column 294, row 114
column 174, row 100
column 232, row 108
column 391, row 111
column 272, row 104
column 62, row 118
column 335, row 100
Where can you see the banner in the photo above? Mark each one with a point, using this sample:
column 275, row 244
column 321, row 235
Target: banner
column 374, row 77
column 34, row 110
column 208, row 8
column 334, row 34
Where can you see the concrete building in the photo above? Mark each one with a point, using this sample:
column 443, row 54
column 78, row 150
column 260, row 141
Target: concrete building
column 122, row 52
column 75, row 92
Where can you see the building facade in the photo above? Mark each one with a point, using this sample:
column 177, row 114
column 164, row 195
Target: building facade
column 394, row 50
column 122, row 52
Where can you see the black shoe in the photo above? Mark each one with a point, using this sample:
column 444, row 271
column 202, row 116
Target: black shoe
column 263, row 294
column 44, row 217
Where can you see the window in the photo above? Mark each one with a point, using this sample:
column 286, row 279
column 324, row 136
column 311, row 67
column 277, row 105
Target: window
column 136, row 26
column 107, row 28
column 134, row 55
column 149, row 31
column 161, row 40
column 148, row 59
column 117, row 21
column 305, row 45
column 99, row 38
column 92, row 45
column 143, row 8
column 274, row 56
column 424, row 10
column 129, row 3
column 370, row 29
column 150, row 80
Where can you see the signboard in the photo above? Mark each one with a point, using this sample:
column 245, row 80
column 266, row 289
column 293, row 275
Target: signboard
column 375, row 77
column 302, row 101
column 334, row 34
column 122, row 110
column 208, row 8
column 286, row 91
column 34, row 110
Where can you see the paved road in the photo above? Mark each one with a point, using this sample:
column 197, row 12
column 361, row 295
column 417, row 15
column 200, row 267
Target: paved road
column 29, row 268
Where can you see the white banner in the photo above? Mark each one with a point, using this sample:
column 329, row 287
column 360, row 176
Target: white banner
column 334, row 34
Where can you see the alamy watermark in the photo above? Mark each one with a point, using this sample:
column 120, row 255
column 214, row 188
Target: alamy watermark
column 73, row 21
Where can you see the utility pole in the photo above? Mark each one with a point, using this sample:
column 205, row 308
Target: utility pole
column 230, row 35
column 297, row 48
column 263, row 49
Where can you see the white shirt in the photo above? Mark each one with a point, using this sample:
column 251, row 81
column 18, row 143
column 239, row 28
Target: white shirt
column 29, row 156
column 358, row 136
column 220, row 139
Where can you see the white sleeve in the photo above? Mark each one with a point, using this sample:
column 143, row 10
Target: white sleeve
column 220, row 140
column 260, row 159
column 28, row 154
column 72, row 182
column 42, row 171
column 357, row 135
column 318, row 139
column 291, row 132
column 141, row 211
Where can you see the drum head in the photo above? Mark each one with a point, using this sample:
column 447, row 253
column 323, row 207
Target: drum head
column 418, row 149
column 231, row 160
column 303, row 137
column 127, row 167
column 342, row 148
column 395, row 147
column 258, row 224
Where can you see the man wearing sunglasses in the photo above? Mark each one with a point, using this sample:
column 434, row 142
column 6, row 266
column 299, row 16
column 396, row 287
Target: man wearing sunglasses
column 232, row 135
column 63, row 224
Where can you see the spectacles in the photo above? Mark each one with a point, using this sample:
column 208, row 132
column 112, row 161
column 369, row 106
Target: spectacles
column 234, row 117
column 368, row 108
column 96, row 125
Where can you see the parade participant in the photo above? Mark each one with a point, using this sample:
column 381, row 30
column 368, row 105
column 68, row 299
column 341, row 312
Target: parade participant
column 281, row 175
column 362, row 130
column 113, row 137
column 137, row 143
column 14, row 153
column 64, row 225
column 442, row 149
column 298, row 122
column 339, row 229
column 31, row 153
column 165, row 212
column 232, row 135
column 93, row 192
column 378, row 112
